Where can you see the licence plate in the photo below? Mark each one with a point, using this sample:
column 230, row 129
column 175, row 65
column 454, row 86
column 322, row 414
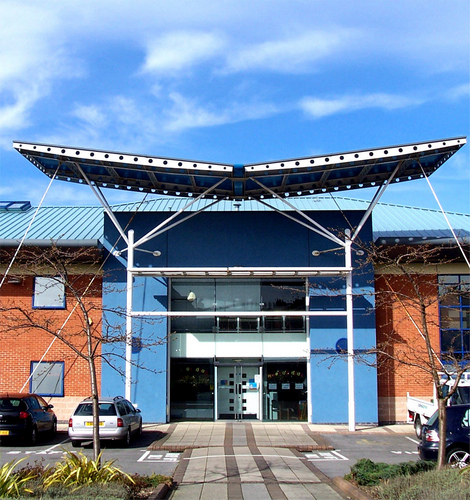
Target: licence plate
column 4, row 433
column 90, row 424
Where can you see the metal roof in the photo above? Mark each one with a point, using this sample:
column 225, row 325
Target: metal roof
column 71, row 224
column 389, row 221
column 294, row 177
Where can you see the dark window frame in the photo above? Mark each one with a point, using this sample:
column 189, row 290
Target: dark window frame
column 458, row 283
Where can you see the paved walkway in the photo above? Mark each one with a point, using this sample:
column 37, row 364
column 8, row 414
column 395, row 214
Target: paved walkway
column 250, row 460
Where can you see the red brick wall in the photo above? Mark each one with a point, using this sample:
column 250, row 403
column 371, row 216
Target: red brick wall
column 20, row 343
column 396, row 311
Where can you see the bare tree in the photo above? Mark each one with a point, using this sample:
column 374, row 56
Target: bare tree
column 82, row 327
column 407, row 295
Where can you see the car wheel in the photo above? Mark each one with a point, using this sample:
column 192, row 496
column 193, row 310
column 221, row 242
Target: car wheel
column 418, row 427
column 127, row 440
column 33, row 436
column 458, row 459
column 76, row 443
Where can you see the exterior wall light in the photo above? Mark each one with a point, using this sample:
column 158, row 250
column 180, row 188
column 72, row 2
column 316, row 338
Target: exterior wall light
column 14, row 280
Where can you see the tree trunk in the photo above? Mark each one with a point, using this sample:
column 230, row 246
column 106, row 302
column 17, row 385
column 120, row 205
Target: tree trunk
column 96, row 409
column 441, row 408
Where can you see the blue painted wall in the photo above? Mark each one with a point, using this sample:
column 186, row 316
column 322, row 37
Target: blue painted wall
column 232, row 239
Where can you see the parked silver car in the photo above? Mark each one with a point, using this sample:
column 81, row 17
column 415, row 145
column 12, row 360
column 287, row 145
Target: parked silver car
column 119, row 420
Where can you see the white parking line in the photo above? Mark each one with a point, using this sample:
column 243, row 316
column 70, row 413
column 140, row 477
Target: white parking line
column 324, row 456
column 412, row 440
column 148, row 456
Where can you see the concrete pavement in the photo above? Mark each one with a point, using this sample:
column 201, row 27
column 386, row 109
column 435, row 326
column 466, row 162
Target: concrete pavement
column 253, row 460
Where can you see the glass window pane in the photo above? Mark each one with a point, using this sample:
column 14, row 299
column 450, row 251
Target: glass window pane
column 451, row 341
column 237, row 295
column 450, row 318
column 285, row 391
column 47, row 378
column 49, row 293
column 280, row 295
column 450, row 299
column 192, row 389
column 193, row 295
column 466, row 340
column 466, row 318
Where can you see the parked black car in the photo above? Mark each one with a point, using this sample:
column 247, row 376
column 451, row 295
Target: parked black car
column 457, row 438
column 25, row 416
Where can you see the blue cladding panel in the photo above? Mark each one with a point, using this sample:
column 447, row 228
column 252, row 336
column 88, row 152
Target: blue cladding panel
column 247, row 239
column 150, row 371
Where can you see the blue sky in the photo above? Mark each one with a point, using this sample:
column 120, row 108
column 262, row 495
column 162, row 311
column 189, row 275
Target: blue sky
column 238, row 81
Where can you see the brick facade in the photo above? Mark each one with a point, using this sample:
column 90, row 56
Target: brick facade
column 21, row 345
column 397, row 321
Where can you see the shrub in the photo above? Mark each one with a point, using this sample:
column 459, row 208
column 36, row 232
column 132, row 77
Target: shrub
column 146, row 483
column 368, row 473
column 12, row 483
column 77, row 470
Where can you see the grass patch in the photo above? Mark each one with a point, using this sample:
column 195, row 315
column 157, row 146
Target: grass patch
column 443, row 484
column 410, row 481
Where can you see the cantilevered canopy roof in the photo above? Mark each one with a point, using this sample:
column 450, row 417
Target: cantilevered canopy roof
column 294, row 177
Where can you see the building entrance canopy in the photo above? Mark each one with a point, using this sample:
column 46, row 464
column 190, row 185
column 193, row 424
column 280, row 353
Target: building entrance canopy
column 294, row 177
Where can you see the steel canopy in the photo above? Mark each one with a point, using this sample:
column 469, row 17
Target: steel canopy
column 293, row 177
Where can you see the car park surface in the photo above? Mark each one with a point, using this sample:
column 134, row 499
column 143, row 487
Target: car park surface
column 119, row 420
column 25, row 416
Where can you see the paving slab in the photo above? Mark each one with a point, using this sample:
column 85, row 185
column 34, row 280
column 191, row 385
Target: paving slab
column 254, row 460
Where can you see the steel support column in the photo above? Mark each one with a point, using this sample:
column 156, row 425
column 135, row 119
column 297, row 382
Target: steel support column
column 350, row 334
column 130, row 294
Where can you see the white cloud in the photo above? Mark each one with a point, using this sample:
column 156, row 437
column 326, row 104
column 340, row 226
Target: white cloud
column 320, row 108
column 32, row 56
column 187, row 113
column 295, row 54
column 181, row 50
column 458, row 92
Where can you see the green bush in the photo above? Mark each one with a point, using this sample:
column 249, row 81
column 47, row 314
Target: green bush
column 368, row 473
column 77, row 470
column 76, row 477
column 13, row 483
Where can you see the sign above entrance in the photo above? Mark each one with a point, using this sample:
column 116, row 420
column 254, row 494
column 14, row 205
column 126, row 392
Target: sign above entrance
column 293, row 177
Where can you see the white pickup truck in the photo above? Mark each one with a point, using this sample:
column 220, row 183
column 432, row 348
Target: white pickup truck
column 419, row 410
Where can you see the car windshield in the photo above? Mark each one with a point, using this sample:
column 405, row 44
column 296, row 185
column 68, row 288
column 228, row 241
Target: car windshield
column 462, row 396
column 12, row 404
column 86, row 409
column 433, row 418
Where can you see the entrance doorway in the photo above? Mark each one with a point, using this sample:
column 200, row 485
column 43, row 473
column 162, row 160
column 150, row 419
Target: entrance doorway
column 238, row 391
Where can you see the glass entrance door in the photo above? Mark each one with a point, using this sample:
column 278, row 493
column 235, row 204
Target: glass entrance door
column 238, row 392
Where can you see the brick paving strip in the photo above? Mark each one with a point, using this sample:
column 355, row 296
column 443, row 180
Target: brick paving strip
column 270, row 481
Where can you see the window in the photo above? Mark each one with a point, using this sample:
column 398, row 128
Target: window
column 238, row 295
column 49, row 293
column 454, row 315
column 47, row 378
